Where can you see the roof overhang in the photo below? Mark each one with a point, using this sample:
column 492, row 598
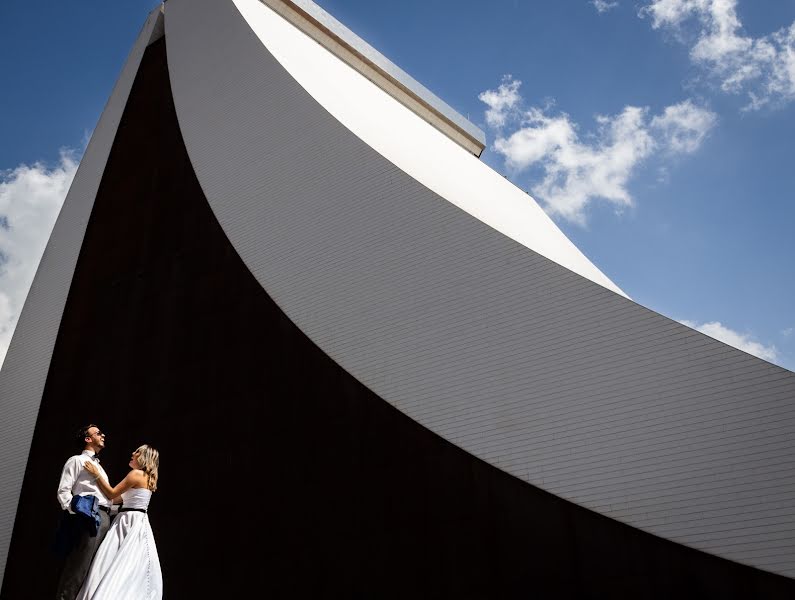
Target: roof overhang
column 354, row 51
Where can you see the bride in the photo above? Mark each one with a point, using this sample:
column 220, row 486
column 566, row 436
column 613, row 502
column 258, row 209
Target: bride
column 126, row 566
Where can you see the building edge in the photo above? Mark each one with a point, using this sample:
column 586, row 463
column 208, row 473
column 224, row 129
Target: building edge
column 24, row 372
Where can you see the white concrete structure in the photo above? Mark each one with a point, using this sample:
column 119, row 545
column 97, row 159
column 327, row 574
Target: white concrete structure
column 437, row 284
column 450, row 293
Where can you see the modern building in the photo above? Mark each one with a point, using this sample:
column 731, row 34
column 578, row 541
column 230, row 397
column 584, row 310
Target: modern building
column 373, row 366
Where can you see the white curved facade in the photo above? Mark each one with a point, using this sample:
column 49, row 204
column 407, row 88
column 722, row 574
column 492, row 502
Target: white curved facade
column 450, row 294
column 405, row 139
column 442, row 288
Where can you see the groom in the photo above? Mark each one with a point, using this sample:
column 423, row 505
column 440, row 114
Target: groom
column 76, row 481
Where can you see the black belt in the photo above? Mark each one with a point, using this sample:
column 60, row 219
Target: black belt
column 143, row 510
column 104, row 508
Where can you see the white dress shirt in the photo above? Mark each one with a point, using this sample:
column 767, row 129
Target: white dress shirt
column 76, row 481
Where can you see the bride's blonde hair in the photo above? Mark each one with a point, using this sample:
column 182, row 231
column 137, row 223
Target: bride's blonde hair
column 149, row 461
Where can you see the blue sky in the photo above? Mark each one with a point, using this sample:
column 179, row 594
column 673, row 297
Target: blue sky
column 660, row 134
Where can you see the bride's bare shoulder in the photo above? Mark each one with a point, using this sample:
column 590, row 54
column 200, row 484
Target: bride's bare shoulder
column 138, row 477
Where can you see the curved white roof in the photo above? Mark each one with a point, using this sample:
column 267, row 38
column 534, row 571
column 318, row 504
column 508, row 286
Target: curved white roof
column 450, row 293
column 404, row 138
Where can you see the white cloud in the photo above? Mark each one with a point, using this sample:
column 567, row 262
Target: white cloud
column 742, row 341
column 788, row 332
column 763, row 68
column 684, row 126
column 30, row 200
column 576, row 171
column 502, row 101
column 602, row 6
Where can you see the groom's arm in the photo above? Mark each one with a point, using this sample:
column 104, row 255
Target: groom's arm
column 68, row 477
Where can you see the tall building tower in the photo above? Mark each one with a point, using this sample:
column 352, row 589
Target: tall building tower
column 374, row 368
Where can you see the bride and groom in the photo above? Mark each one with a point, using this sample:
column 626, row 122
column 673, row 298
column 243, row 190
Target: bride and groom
column 107, row 558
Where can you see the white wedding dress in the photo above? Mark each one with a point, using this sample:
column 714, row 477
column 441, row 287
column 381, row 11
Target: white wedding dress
column 126, row 566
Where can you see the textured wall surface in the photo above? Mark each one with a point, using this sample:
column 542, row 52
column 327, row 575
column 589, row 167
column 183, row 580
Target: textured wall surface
column 168, row 339
column 25, row 368
column 554, row 379
column 405, row 140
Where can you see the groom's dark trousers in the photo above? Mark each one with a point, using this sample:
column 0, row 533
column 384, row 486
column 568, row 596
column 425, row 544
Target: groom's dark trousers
column 83, row 548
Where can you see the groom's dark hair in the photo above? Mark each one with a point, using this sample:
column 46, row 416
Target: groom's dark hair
column 82, row 434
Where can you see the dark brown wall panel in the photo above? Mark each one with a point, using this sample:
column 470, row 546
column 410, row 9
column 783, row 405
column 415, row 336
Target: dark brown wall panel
column 282, row 476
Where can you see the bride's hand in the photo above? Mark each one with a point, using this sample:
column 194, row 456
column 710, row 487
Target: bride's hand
column 91, row 468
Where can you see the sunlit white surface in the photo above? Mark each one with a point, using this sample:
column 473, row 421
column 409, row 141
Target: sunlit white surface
column 413, row 145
